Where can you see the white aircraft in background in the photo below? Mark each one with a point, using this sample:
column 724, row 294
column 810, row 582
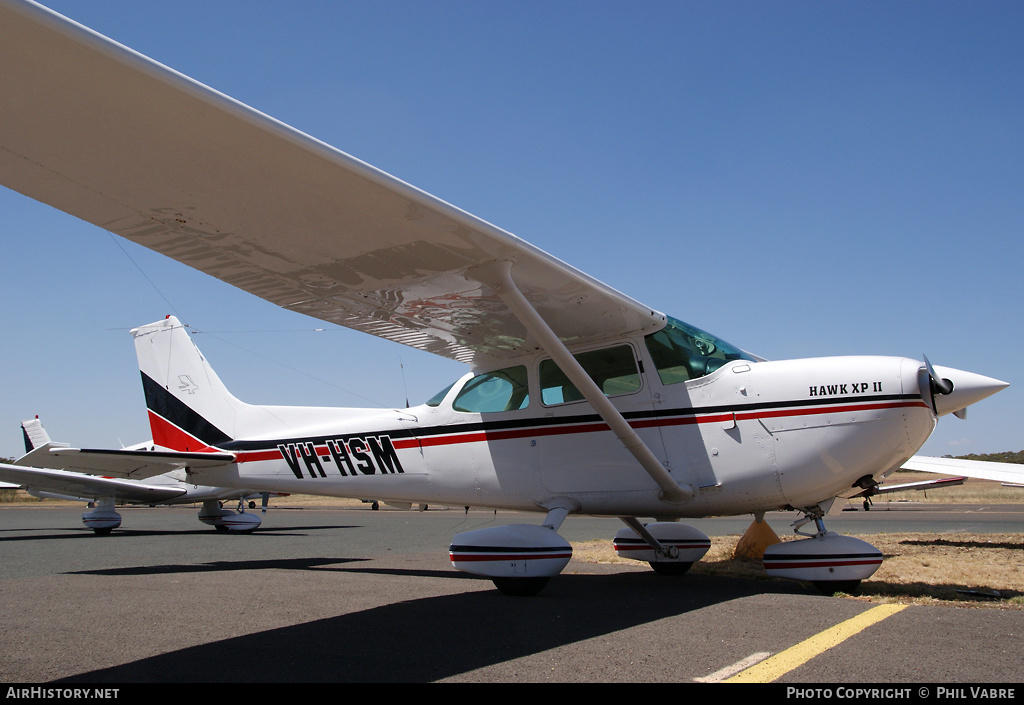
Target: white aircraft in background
column 957, row 470
column 48, row 469
column 579, row 399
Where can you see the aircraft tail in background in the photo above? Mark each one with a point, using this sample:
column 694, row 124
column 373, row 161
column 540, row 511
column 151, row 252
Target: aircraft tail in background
column 34, row 434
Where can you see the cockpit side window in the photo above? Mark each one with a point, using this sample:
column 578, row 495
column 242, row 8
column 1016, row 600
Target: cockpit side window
column 681, row 352
column 500, row 390
column 613, row 369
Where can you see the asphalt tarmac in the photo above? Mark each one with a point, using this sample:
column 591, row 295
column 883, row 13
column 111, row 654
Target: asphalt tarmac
column 354, row 595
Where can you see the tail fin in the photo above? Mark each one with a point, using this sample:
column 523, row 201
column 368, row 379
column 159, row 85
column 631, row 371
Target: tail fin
column 34, row 433
column 190, row 409
column 37, row 445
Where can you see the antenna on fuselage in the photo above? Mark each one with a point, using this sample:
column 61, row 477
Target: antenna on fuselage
column 404, row 385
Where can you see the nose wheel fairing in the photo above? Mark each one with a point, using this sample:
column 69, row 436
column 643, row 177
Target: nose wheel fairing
column 830, row 561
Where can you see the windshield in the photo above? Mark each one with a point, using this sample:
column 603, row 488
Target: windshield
column 681, row 352
column 439, row 397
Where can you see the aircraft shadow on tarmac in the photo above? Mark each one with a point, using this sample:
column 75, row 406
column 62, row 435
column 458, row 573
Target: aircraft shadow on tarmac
column 432, row 638
column 222, row 566
column 81, row 532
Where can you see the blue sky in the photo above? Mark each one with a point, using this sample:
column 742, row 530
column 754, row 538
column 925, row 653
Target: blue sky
column 800, row 178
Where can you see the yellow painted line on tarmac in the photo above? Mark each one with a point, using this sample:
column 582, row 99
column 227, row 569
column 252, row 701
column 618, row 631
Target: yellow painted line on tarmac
column 780, row 664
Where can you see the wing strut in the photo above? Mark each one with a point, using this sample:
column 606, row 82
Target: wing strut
column 498, row 276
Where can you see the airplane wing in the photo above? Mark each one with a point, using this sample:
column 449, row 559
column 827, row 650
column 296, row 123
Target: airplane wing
column 886, row 488
column 129, row 464
column 1007, row 473
column 109, row 136
column 87, row 487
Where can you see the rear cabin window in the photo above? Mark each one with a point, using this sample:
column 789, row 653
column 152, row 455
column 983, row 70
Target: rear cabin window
column 614, row 370
column 501, row 390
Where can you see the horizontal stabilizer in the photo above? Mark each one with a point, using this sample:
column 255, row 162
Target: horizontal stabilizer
column 134, row 464
column 75, row 485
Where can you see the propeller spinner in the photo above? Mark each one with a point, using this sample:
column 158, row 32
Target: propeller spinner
column 954, row 390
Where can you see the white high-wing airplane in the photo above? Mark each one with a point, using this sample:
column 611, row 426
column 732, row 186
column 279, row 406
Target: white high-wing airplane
column 56, row 470
column 579, row 399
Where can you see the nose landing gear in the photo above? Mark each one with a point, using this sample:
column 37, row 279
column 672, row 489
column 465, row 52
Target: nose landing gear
column 832, row 563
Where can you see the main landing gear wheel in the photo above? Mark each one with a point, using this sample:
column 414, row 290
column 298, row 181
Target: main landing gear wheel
column 224, row 520
column 102, row 518
column 520, row 587
column 670, row 569
column 669, row 548
column 519, row 559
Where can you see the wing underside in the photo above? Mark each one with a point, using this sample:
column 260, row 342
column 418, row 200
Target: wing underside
column 111, row 137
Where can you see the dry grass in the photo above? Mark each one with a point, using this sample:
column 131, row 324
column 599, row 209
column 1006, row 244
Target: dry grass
column 9, row 496
column 980, row 570
column 968, row 570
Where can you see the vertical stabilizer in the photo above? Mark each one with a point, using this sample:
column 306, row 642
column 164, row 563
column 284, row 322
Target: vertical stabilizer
column 190, row 409
column 37, row 444
column 34, row 434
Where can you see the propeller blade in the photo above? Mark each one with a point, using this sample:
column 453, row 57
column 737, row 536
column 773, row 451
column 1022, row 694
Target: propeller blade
column 939, row 384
